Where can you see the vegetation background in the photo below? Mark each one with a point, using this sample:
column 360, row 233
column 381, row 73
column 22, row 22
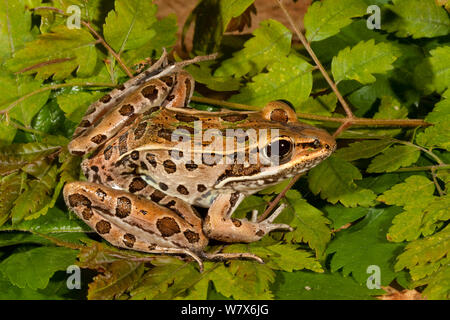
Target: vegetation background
column 379, row 203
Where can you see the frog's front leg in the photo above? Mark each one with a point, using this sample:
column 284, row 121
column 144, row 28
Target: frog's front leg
column 221, row 226
column 133, row 222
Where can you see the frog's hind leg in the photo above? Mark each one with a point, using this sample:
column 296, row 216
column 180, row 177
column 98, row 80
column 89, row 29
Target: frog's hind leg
column 230, row 256
column 132, row 222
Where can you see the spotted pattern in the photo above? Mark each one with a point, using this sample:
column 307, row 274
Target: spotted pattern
column 186, row 118
column 108, row 152
column 201, row 188
column 137, row 185
column 234, row 117
column 134, row 155
column 191, row 236
column 103, row 227
column 85, row 123
column 151, row 158
column 123, row 147
column 169, row 166
column 150, row 92
column 165, row 134
column 157, row 196
column 126, row 110
column 87, row 213
column 279, row 115
column 237, row 223
column 77, row 199
column 260, row 233
column 98, row 139
column 140, row 130
column 167, row 80
column 183, row 190
column 123, row 208
column 100, row 194
column 105, row 98
column 167, row 226
column 163, row 186
column 176, row 154
column 129, row 240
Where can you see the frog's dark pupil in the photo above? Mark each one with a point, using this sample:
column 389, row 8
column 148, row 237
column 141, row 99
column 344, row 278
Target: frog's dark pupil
column 279, row 148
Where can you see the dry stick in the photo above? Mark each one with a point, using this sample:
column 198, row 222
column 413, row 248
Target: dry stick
column 308, row 48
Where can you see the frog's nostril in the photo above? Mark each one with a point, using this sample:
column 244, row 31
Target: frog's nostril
column 327, row 146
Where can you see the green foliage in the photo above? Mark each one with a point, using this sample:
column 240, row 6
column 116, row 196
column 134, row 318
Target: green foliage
column 380, row 200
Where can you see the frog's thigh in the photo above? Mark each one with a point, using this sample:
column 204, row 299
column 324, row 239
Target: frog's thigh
column 129, row 221
column 220, row 226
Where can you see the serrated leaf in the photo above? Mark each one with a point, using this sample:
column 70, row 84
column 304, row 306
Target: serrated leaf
column 310, row 226
column 363, row 60
column 8, row 291
column 129, row 26
column 15, row 87
column 416, row 18
column 362, row 149
column 321, row 286
column 15, row 27
column 415, row 189
column 325, row 18
column 202, row 74
column 10, row 188
column 57, row 54
column 334, row 180
column 438, row 284
column 433, row 74
column 429, row 250
column 270, row 42
column 34, row 267
column 340, row 215
column 321, row 105
column 350, row 247
column 119, row 277
column 290, row 78
column 18, row 155
column 394, row 158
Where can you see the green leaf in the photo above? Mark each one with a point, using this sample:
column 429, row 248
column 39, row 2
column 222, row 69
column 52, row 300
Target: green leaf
column 18, row 155
column 363, row 149
column 8, row 291
column 118, row 278
column 334, row 180
column 290, row 78
column 325, row 18
column 10, row 188
column 75, row 103
column 57, row 54
column 415, row 189
column 17, row 86
column 321, row 105
column 416, row 18
column 15, row 27
column 350, row 247
column 363, row 60
column 433, row 74
column 394, row 158
column 302, row 285
column 203, row 74
column 438, row 284
column 340, row 215
column 129, row 26
column 270, row 43
column 34, row 267
column 310, row 226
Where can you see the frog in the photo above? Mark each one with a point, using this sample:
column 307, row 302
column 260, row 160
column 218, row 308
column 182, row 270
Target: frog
column 152, row 161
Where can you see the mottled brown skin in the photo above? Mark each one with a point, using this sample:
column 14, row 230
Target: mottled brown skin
column 142, row 184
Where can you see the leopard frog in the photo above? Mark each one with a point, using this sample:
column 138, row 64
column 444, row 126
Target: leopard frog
column 142, row 183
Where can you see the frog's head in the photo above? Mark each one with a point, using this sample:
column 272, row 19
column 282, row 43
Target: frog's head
column 292, row 147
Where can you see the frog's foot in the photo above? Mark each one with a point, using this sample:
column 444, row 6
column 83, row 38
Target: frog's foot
column 221, row 226
column 267, row 224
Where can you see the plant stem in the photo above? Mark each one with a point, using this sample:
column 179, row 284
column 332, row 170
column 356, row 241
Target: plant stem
column 310, row 51
column 353, row 121
column 425, row 168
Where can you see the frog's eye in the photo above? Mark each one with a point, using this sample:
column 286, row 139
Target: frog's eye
column 279, row 150
column 279, row 111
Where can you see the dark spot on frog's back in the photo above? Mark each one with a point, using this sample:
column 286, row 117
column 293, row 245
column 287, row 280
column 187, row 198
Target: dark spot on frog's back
column 167, row 80
column 105, row 98
column 123, row 208
column 103, row 227
column 98, row 139
column 85, row 123
column 77, row 199
column 191, row 236
column 129, row 240
column 100, row 194
column 186, row 118
column 279, row 115
column 183, row 190
column 151, row 158
column 140, row 130
column 234, row 117
column 126, row 110
column 165, row 134
column 163, row 186
column 108, row 152
column 170, row 166
column 201, row 188
column 134, row 155
column 157, row 196
column 137, row 185
column 123, row 147
column 150, row 92
column 167, row 226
